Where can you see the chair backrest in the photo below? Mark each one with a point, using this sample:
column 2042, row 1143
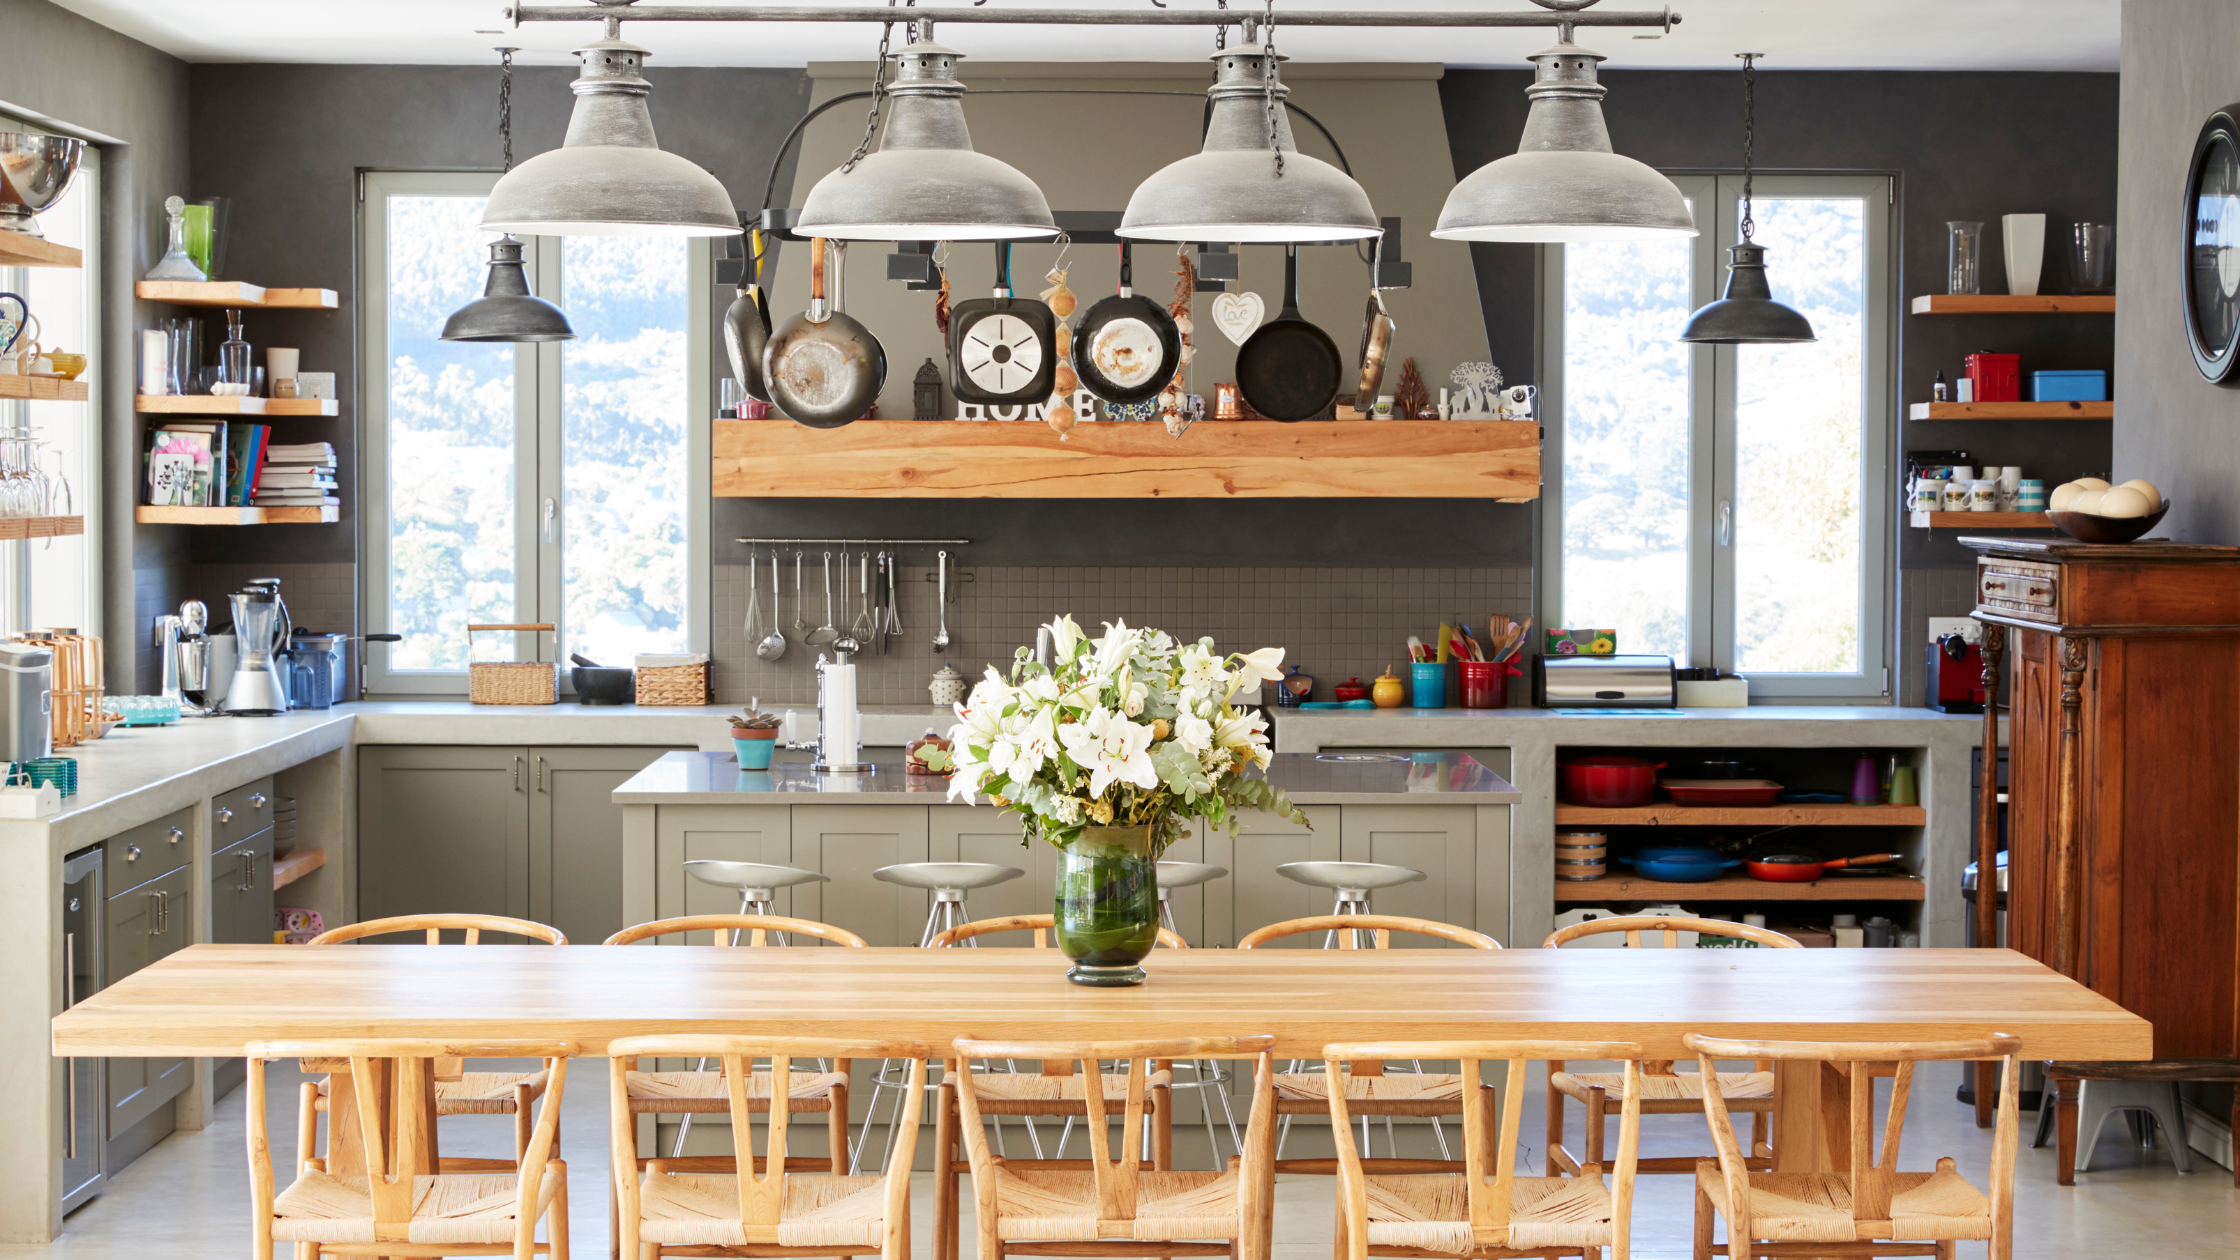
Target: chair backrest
column 1489, row 1144
column 727, row 927
column 1861, row 1062
column 1117, row 1177
column 1040, row 924
column 762, row 1195
column 1350, row 928
column 1671, row 926
column 410, row 1065
column 474, row 925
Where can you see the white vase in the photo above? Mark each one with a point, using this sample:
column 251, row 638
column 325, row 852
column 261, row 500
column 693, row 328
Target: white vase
column 2025, row 239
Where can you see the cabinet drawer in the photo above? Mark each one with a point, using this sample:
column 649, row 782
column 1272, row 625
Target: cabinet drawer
column 2020, row 588
column 241, row 813
column 151, row 849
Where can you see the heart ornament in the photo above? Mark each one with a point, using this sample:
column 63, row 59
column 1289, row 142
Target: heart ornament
column 1237, row 314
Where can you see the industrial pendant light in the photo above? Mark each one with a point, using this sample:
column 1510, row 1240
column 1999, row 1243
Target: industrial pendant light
column 1564, row 183
column 1748, row 315
column 507, row 310
column 1249, row 182
column 609, row 177
column 925, row 183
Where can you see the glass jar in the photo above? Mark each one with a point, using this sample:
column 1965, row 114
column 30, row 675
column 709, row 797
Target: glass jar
column 1963, row 256
column 1107, row 907
column 233, row 353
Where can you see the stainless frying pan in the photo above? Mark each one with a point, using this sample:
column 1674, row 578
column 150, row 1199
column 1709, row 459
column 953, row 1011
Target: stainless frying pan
column 822, row 367
column 1376, row 334
column 746, row 325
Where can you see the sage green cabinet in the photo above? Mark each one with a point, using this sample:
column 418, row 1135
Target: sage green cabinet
column 981, row 833
column 241, row 892
column 1439, row 840
column 848, row 843
column 141, row 925
column 1253, row 895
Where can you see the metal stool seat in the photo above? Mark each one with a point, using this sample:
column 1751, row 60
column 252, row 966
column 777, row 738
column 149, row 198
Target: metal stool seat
column 757, row 882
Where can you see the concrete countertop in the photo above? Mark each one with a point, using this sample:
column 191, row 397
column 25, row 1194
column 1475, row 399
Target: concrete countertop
column 707, row 778
column 1308, row 730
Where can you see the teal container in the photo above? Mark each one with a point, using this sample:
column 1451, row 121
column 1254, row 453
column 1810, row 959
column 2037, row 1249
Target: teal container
column 1428, row 684
column 754, row 754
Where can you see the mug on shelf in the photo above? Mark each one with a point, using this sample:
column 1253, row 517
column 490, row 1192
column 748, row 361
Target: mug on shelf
column 1956, row 495
column 1429, row 689
column 1928, row 495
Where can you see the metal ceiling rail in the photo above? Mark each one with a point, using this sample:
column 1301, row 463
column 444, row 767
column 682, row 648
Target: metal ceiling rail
column 602, row 10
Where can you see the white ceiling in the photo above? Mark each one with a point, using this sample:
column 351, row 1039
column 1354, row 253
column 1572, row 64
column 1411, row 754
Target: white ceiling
column 1795, row 34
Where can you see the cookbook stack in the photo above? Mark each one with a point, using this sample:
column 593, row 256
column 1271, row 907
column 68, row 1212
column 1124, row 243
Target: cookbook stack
column 297, row 476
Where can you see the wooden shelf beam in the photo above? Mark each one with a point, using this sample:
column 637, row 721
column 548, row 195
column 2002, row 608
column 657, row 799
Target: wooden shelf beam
column 294, row 865
column 2012, row 411
column 18, row 250
column 321, row 515
column 43, row 388
column 232, row 293
column 214, row 405
column 2012, row 304
column 1741, row 888
column 1777, row 815
column 14, row 527
column 1981, row 520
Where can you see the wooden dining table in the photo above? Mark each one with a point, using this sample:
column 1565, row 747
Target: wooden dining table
column 215, row 999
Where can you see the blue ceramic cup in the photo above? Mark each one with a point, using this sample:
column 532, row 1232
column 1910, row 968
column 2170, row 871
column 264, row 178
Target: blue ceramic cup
column 1428, row 689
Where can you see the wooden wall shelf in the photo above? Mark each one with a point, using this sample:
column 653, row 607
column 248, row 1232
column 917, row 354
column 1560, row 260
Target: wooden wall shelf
column 18, row 250
column 1778, row 815
column 1740, row 888
column 42, row 388
column 2012, row 411
column 2010, row 304
column 146, row 515
column 1215, row 459
column 14, row 527
column 294, row 865
column 1980, row 520
column 231, row 293
column 213, row 405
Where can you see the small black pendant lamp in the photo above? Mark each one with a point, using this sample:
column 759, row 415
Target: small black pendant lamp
column 507, row 310
column 1747, row 315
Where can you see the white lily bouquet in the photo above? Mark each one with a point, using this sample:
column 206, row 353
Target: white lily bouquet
column 1129, row 729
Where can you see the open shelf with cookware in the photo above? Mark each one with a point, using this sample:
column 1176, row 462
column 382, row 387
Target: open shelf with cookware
column 1732, row 889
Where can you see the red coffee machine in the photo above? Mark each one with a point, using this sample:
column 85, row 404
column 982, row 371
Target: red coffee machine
column 1955, row 682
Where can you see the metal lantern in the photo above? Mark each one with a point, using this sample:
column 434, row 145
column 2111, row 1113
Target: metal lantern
column 609, row 177
column 925, row 392
column 926, row 183
column 1249, row 182
column 507, row 310
column 1564, row 183
column 1747, row 315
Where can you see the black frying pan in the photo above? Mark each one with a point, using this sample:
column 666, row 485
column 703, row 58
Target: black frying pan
column 746, row 325
column 1126, row 348
column 1289, row 369
column 1002, row 349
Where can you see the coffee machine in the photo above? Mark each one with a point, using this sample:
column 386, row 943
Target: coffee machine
column 260, row 632
column 1955, row 682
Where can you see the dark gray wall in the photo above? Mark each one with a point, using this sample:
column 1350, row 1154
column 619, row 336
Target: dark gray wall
column 2181, row 59
column 1963, row 146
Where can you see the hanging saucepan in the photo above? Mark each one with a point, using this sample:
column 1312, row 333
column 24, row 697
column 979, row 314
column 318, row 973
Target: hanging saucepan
column 1288, row 369
column 1376, row 333
column 823, row 368
column 1126, row 348
column 746, row 325
column 1002, row 349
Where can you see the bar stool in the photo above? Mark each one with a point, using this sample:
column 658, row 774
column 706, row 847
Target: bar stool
column 756, row 882
column 1352, row 882
column 1208, row 1076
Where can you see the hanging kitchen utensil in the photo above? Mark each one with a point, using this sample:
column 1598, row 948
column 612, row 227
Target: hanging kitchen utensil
column 1126, row 346
column 746, row 325
column 822, row 367
column 1289, row 370
column 1376, row 334
column 1002, row 349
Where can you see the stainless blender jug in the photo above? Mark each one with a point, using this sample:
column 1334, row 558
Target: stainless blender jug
column 260, row 628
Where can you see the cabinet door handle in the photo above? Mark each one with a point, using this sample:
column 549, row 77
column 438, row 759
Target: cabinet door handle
column 175, row 835
column 69, row 1066
column 155, row 914
column 248, row 872
column 540, row 774
column 517, row 774
column 132, row 853
column 256, row 800
column 225, row 816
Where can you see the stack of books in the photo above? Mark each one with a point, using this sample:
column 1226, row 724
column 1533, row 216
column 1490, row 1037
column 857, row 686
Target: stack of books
column 297, row 476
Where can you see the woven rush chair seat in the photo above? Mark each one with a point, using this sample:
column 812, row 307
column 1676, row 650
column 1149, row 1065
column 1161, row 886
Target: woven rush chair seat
column 1433, row 1212
column 668, row 1093
column 446, row 1208
column 1816, row 1207
column 1423, row 1093
column 478, row 1093
column 1170, row 1206
column 819, row 1210
column 1034, row 1094
column 1687, row 1087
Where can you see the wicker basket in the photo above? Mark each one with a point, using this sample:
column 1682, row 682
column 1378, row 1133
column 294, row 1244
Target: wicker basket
column 674, row 685
column 511, row 682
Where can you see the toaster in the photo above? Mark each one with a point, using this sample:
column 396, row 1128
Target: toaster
column 1602, row 682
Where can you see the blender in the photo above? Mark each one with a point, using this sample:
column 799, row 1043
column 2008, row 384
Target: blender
column 260, row 629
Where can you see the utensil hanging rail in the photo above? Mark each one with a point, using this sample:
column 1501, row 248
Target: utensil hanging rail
column 853, row 542
column 1663, row 19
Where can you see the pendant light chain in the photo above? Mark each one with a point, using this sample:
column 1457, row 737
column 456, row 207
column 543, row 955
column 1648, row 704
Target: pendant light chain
column 1268, row 82
column 1749, row 138
column 878, row 95
column 505, row 103
column 1221, row 32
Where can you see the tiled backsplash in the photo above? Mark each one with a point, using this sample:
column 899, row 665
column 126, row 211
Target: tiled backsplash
column 1334, row 622
column 320, row 597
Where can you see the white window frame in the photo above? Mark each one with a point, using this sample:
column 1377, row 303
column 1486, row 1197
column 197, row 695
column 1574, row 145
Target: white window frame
column 537, row 463
column 1712, row 463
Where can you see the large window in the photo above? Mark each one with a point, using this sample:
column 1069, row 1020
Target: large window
column 560, row 483
column 1727, row 505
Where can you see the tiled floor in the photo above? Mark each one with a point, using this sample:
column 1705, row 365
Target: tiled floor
column 189, row 1196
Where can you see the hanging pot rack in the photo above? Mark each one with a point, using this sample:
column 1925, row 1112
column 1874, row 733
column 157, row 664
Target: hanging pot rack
column 1563, row 13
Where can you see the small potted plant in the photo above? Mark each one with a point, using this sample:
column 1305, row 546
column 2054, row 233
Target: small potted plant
column 755, row 734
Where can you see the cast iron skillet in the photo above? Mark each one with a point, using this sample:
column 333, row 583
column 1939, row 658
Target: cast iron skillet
column 1289, row 369
column 1003, row 349
column 1126, row 348
column 823, row 368
column 746, row 326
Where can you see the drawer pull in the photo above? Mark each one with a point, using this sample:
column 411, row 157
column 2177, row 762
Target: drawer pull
column 225, row 815
column 256, row 800
column 176, row 835
column 132, row 853
column 1994, row 584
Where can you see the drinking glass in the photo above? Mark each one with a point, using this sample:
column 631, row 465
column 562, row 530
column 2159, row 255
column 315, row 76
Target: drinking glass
column 200, row 239
column 1964, row 256
column 2092, row 257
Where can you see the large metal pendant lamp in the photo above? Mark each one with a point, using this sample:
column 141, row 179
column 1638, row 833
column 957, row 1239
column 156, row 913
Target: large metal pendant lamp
column 609, row 177
column 1249, row 182
column 1564, row 183
column 507, row 310
column 1747, row 315
column 926, row 183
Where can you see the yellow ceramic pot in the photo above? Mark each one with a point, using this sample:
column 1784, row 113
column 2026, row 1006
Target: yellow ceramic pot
column 1388, row 691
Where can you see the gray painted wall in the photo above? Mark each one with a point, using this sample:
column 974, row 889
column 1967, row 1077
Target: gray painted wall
column 2181, row 59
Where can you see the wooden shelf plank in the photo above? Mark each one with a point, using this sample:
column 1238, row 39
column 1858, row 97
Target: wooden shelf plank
column 42, row 388
column 147, row 515
column 1215, row 459
column 213, row 405
column 294, row 865
column 1980, row 520
column 14, row 527
column 231, row 293
column 18, row 250
column 2012, row 411
column 1740, row 888
column 2011, row 304
column 1776, row 815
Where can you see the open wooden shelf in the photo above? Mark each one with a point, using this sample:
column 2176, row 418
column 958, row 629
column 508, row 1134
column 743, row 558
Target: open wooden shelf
column 1777, row 815
column 2011, row 304
column 1214, row 459
column 294, row 865
column 1740, row 888
column 1980, row 520
column 231, row 293
column 43, row 388
column 2012, row 411
column 322, row 515
column 214, row 405
column 14, row 527
column 18, row 250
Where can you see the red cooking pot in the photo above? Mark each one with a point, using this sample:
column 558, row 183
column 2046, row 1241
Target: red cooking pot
column 1607, row 780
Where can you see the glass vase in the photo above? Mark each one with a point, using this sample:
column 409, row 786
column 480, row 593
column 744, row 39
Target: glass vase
column 1964, row 256
column 1107, row 906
